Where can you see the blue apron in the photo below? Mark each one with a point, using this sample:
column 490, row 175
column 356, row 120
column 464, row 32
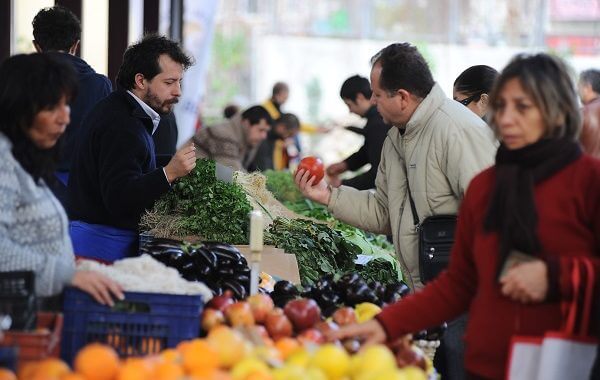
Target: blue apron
column 102, row 243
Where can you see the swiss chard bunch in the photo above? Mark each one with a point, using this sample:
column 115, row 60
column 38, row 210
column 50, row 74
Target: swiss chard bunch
column 319, row 250
column 213, row 209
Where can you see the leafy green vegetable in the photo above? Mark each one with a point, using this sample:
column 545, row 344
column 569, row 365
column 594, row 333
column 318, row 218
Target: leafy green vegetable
column 319, row 250
column 213, row 209
column 281, row 184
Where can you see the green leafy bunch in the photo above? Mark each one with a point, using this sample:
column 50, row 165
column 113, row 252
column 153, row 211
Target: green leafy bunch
column 319, row 250
column 213, row 209
column 281, row 184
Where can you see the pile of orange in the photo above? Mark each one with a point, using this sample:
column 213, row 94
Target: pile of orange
column 199, row 359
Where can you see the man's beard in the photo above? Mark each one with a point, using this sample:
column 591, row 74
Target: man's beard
column 161, row 107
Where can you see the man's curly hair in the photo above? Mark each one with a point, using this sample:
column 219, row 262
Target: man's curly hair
column 56, row 28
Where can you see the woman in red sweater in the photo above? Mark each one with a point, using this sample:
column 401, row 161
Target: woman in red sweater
column 519, row 227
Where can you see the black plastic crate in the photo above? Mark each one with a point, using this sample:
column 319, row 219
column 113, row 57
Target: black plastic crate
column 17, row 298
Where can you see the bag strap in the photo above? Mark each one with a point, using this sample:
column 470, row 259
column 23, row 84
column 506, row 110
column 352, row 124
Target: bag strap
column 413, row 208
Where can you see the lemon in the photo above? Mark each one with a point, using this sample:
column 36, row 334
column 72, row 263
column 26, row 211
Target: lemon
column 315, row 374
column 299, row 357
column 366, row 311
column 247, row 367
column 373, row 359
column 289, row 372
column 332, row 360
column 414, row 373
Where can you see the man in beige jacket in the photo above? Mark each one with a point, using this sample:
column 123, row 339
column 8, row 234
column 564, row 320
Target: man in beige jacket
column 438, row 145
column 234, row 142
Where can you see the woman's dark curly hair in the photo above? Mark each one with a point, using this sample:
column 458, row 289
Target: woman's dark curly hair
column 30, row 83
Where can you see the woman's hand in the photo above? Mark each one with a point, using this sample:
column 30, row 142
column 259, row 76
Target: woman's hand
column 98, row 286
column 526, row 282
column 318, row 193
column 371, row 332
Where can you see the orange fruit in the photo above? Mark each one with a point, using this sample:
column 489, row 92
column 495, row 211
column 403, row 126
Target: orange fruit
column 134, row 369
column 168, row 371
column 210, row 374
column 27, row 370
column 51, row 368
column 6, row 374
column 286, row 346
column 97, row 362
column 72, row 376
column 199, row 355
column 229, row 344
column 171, row 355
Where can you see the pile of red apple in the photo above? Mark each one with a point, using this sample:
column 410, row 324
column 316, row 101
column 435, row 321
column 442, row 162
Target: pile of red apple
column 300, row 318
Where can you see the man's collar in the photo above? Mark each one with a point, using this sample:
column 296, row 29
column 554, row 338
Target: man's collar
column 154, row 116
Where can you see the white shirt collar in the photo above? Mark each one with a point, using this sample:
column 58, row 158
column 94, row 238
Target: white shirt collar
column 152, row 113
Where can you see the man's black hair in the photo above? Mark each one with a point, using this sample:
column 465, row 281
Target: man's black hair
column 56, row 28
column 280, row 87
column 289, row 121
column 255, row 114
column 403, row 67
column 592, row 76
column 142, row 57
column 355, row 85
column 30, row 83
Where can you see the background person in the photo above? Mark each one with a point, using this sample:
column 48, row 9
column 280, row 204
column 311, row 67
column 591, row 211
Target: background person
column 274, row 152
column 234, row 142
column 538, row 206
column 472, row 88
column 356, row 93
column 58, row 30
column 35, row 92
column 589, row 93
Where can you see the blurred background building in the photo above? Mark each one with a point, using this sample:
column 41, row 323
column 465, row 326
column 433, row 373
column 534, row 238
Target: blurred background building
column 244, row 46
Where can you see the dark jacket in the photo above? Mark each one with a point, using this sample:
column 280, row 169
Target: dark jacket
column 165, row 139
column 265, row 156
column 93, row 87
column 114, row 177
column 375, row 132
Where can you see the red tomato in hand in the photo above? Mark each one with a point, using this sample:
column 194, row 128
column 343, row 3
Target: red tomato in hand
column 314, row 166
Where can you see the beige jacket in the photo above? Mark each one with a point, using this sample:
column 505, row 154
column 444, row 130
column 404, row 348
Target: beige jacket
column 443, row 147
column 225, row 143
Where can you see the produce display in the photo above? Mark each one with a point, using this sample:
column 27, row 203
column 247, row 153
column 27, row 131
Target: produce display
column 202, row 206
column 220, row 266
column 382, row 266
column 349, row 290
column 318, row 249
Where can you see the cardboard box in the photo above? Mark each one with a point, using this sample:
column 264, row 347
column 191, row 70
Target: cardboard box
column 275, row 262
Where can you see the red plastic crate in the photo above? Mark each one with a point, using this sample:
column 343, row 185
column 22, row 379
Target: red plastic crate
column 38, row 344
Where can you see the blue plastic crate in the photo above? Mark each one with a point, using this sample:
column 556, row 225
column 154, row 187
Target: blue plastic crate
column 8, row 358
column 142, row 324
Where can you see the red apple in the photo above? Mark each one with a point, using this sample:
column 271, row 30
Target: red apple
column 311, row 336
column 278, row 325
column 222, row 301
column 212, row 318
column 344, row 316
column 239, row 314
column 261, row 305
column 304, row 313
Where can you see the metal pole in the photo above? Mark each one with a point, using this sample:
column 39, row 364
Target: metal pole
column 176, row 28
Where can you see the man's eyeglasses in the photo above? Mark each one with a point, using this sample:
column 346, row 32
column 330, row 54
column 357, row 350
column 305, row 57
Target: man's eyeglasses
column 465, row 102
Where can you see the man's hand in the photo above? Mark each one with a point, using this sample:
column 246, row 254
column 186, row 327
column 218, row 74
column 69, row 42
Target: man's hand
column 526, row 282
column 182, row 163
column 318, row 193
column 336, row 169
column 100, row 287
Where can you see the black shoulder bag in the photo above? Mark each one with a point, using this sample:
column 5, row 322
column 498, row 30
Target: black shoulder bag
column 436, row 235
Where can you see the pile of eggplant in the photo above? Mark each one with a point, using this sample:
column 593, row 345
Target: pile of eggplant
column 220, row 266
column 349, row 290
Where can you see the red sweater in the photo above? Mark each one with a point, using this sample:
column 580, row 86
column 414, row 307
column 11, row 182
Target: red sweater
column 568, row 207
